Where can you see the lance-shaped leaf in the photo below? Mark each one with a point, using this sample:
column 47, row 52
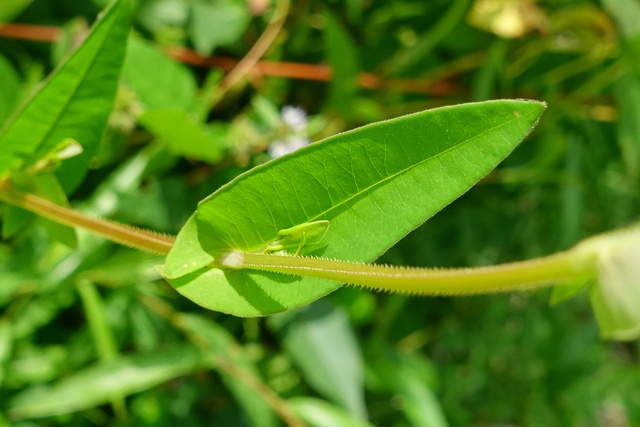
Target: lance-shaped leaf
column 96, row 385
column 75, row 102
column 374, row 185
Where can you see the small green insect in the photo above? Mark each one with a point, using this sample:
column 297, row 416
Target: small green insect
column 299, row 236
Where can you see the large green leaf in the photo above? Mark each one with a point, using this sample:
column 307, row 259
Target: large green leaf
column 74, row 103
column 374, row 184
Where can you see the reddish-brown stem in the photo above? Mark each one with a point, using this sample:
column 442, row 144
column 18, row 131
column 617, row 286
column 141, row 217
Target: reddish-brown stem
column 291, row 70
column 40, row 33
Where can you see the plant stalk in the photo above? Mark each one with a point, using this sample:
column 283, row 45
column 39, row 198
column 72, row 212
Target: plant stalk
column 561, row 268
column 119, row 233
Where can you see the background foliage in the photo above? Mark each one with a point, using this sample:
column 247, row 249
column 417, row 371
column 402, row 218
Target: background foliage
column 91, row 336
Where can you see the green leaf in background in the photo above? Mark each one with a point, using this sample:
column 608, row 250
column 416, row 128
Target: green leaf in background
column 374, row 184
column 34, row 365
column 9, row 9
column 160, row 82
column 410, row 378
column 216, row 23
column 47, row 186
column 225, row 350
column 9, row 89
column 75, row 102
column 101, row 331
column 626, row 14
column 627, row 93
column 343, row 57
column 6, row 344
column 13, row 219
column 165, row 19
column 320, row 413
column 322, row 343
column 98, row 384
column 432, row 36
column 182, row 136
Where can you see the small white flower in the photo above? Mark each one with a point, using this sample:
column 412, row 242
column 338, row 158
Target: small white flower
column 294, row 117
column 291, row 144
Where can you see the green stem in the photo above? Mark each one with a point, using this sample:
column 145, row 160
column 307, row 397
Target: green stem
column 561, row 268
column 123, row 234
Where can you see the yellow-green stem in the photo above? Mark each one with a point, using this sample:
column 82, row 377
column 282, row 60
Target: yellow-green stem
column 561, row 268
column 123, row 234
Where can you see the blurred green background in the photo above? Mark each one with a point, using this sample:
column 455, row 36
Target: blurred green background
column 90, row 336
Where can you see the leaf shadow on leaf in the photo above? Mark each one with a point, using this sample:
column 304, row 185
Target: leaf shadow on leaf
column 243, row 282
column 253, row 293
column 245, row 286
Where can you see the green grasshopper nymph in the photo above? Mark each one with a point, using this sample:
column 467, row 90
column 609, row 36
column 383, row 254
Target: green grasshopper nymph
column 297, row 237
